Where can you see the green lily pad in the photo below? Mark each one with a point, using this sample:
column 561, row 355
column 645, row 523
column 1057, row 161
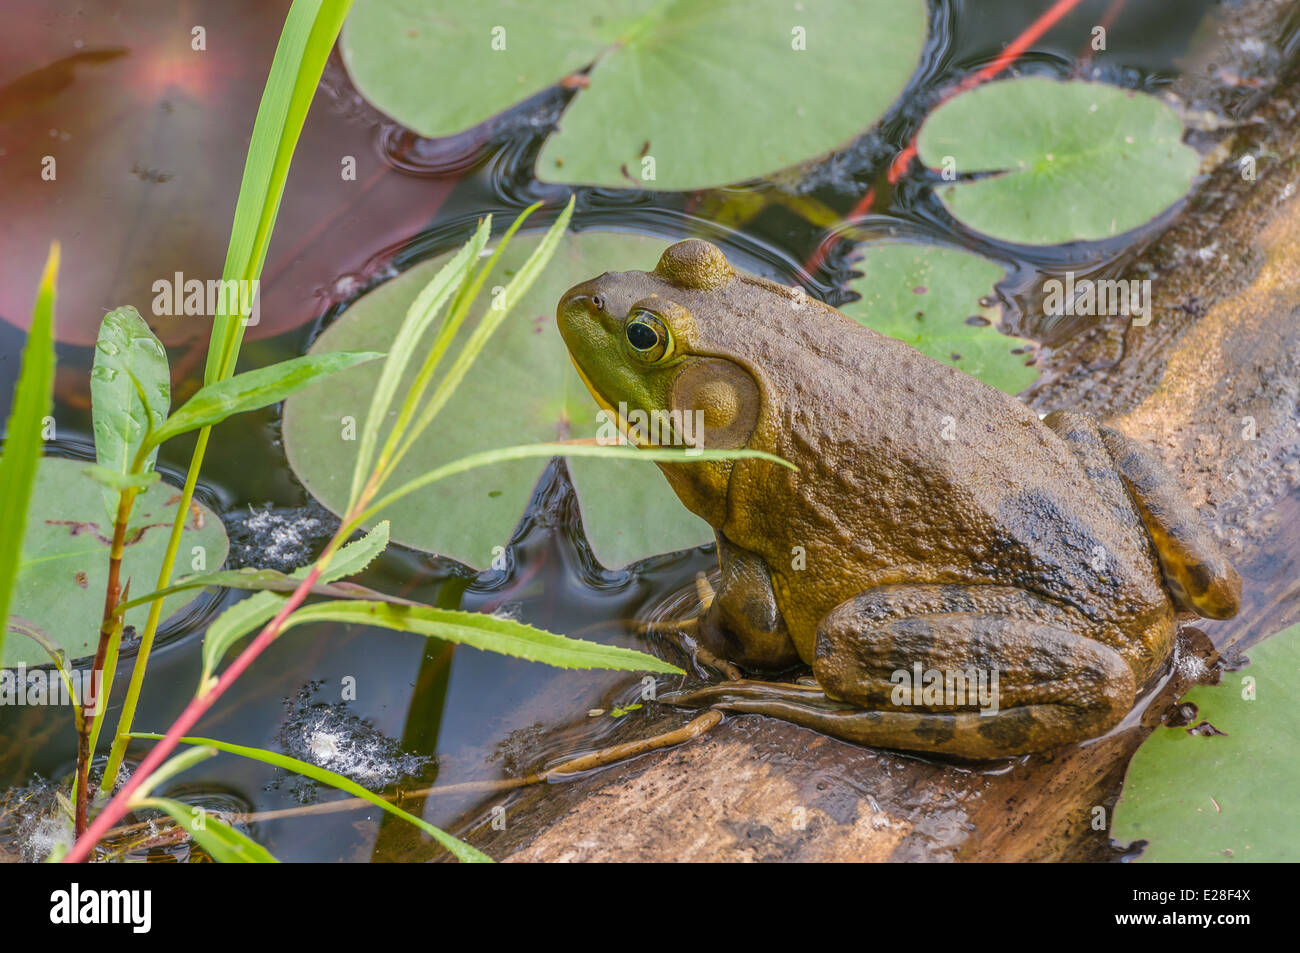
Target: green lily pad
column 522, row 389
column 1226, row 793
column 64, row 568
column 675, row 81
column 1076, row 161
column 929, row 296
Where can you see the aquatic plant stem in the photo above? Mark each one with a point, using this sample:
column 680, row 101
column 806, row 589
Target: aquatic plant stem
column 198, row 706
column 107, row 626
column 306, row 39
column 120, row 740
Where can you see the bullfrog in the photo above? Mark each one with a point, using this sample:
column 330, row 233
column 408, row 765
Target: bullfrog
column 961, row 576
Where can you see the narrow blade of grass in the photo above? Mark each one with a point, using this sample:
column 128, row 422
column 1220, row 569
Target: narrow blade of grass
column 471, row 285
column 491, row 320
column 458, row 847
column 503, row 454
column 33, row 398
column 215, row 402
column 310, row 29
column 419, row 316
column 487, row 632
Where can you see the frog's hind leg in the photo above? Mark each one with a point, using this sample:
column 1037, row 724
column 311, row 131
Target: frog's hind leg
column 1198, row 574
column 999, row 676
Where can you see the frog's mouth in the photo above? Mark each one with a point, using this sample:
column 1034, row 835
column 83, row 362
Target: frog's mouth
column 603, row 402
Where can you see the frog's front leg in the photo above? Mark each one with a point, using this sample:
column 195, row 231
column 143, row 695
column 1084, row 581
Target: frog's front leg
column 990, row 671
column 1195, row 568
column 743, row 623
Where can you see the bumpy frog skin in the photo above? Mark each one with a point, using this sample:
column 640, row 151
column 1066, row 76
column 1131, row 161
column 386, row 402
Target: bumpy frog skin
column 935, row 524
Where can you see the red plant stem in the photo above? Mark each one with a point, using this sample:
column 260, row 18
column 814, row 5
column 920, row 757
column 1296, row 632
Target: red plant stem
column 112, row 593
column 195, row 710
column 899, row 166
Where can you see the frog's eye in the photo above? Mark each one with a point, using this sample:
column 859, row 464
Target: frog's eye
column 647, row 337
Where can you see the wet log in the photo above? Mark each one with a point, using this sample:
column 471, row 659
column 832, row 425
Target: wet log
column 1212, row 384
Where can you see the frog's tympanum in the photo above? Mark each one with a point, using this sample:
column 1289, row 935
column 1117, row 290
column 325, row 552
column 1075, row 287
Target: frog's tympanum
column 961, row 576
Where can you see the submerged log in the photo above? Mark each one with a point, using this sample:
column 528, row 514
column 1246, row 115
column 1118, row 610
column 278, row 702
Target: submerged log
column 1212, row 384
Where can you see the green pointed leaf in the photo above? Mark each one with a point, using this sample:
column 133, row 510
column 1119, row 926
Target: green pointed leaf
column 929, row 296
column 486, row 632
column 130, row 393
column 64, row 568
column 463, row 852
column 1197, row 795
column 21, row 458
column 243, row 617
column 1074, row 161
column 219, row 839
column 260, row 580
column 522, row 389
column 215, row 402
column 675, row 81
column 419, row 316
column 310, row 30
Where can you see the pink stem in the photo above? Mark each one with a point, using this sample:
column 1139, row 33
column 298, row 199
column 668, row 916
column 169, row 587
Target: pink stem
column 195, row 710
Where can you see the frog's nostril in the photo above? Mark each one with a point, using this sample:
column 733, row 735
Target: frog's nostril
column 598, row 302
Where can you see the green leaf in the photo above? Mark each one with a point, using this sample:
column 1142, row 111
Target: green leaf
column 522, row 389
column 486, row 632
column 463, row 852
column 419, row 316
column 213, row 403
column 64, row 568
column 310, row 29
column 21, row 458
column 243, row 617
column 504, row 300
column 505, row 454
column 130, row 393
column 258, row 580
column 223, row 842
column 929, row 297
column 1196, row 795
column 1076, row 161
column 675, row 80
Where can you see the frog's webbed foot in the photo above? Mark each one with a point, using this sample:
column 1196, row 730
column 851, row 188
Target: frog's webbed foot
column 686, row 633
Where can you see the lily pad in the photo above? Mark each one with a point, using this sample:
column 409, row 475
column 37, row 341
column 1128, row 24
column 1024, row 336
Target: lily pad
column 1223, row 787
column 522, row 389
column 1074, row 161
column 64, row 568
column 930, row 297
column 674, row 82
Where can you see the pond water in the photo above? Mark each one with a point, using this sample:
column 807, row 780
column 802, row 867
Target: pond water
column 444, row 715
